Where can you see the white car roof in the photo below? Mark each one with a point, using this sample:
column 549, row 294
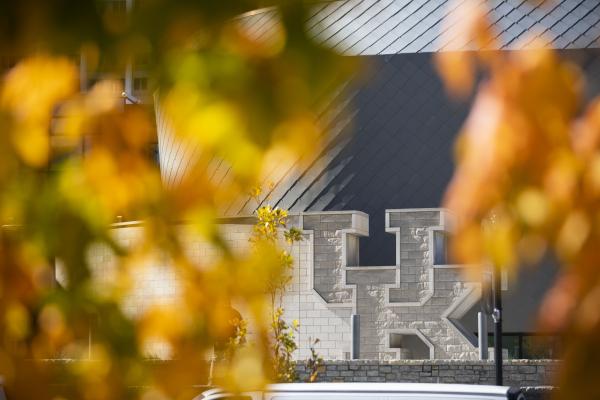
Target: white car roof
column 387, row 387
column 356, row 387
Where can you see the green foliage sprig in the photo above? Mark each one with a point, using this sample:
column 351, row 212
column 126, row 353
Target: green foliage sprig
column 314, row 364
column 270, row 222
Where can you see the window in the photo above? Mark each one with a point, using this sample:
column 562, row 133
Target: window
column 440, row 248
column 522, row 345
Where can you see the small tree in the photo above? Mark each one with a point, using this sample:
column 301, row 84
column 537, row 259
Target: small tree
column 267, row 230
column 284, row 345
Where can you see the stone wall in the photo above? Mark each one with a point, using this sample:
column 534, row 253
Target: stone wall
column 521, row 373
column 156, row 283
column 153, row 280
column 407, row 310
column 318, row 296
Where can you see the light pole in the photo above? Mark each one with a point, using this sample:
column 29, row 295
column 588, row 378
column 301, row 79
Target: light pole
column 493, row 292
column 491, row 304
column 497, row 316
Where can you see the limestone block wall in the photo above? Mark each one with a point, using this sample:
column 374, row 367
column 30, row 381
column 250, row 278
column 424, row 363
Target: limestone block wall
column 328, row 236
column 155, row 280
column 319, row 296
column 411, row 300
column 331, row 325
column 157, row 283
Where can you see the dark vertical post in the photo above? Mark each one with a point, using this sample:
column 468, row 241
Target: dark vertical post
column 521, row 346
column 355, row 323
column 497, row 314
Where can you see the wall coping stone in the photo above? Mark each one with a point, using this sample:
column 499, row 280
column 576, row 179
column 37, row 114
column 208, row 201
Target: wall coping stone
column 444, row 362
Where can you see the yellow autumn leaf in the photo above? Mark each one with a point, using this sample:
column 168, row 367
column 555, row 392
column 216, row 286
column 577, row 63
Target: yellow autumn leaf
column 533, row 206
column 31, row 91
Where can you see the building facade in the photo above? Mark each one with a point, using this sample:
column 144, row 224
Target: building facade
column 410, row 309
column 368, row 204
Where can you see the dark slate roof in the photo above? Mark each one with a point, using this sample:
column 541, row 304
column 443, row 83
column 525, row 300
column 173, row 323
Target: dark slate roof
column 368, row 27
column 391, row 136
column 391, row 146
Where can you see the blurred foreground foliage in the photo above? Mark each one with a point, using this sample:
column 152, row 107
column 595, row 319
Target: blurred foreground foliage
column 527, row 181
column 72, row 162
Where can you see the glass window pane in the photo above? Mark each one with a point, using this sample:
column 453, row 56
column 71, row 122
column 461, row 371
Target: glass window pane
column 439, row 250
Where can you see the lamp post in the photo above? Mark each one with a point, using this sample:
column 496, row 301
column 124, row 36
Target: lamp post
column 497, row 316
column 492, row 298
column 491, row 304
